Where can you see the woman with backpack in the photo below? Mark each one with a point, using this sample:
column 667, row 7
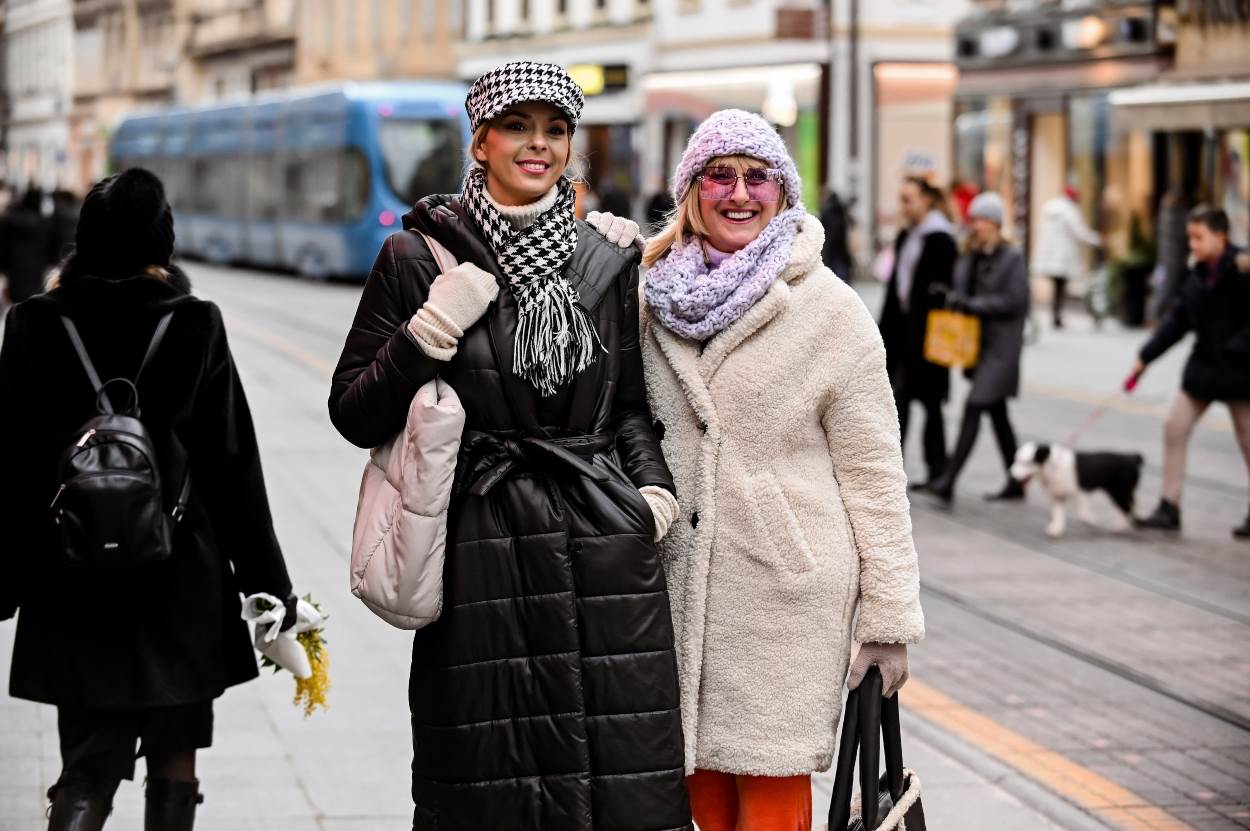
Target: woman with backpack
column 545, row 696
column 128, row 585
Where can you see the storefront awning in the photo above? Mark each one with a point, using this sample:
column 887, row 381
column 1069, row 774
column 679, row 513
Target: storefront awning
column 1216, row 105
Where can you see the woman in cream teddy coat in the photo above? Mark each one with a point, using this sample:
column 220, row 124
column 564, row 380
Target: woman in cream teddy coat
column 778, row 423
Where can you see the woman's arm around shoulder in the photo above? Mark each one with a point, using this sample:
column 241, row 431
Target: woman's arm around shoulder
column 382, row 366
column 861, row 428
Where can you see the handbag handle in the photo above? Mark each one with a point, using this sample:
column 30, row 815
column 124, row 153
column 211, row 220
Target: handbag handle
column 869, row 721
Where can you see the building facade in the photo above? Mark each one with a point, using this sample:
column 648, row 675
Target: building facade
column 653, row 69
column 234, row 48
column 377, row 39
column 126, row 56
column 1033, row 108
column 38, row 77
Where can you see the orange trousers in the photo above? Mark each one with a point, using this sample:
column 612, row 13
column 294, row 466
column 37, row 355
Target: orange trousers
column 726, row 802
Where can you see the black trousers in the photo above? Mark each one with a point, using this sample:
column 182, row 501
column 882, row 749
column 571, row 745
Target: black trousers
column 1060, row 296
column 971, row 426
column 98, row 746
column 934, row 430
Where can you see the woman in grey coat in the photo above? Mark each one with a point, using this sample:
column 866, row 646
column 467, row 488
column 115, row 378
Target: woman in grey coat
column 991, row 281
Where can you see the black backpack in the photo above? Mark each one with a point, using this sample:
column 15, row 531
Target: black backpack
column 110, row 506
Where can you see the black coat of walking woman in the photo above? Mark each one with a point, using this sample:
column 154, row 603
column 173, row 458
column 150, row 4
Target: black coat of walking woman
column 991, row 282
column 545, row 697
column 130, row 654
column 924, row 272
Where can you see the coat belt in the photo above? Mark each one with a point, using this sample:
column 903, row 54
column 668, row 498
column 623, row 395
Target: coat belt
column 487, row 458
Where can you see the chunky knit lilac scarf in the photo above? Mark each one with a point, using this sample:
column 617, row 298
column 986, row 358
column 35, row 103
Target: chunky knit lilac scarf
column 696, row 301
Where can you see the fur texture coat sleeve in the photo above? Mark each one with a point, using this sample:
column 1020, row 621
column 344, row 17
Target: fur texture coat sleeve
column 861, row 425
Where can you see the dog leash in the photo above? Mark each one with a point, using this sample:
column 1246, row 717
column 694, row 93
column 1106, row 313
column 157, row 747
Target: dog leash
column 1099, row 411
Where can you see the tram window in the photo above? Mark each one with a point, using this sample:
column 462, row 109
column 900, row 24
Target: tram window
column 326, row 186
column 263, row 196
column 217, row 184
column 421, row 157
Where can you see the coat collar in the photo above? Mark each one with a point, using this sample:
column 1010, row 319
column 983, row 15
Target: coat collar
column 695, row 366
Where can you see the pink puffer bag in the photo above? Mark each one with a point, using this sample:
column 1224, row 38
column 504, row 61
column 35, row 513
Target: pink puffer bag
column 399, row 539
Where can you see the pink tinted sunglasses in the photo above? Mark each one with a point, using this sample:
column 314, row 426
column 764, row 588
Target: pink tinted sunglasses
column 720, row 182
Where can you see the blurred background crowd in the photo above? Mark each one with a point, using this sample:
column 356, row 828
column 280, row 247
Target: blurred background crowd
column 275, row 122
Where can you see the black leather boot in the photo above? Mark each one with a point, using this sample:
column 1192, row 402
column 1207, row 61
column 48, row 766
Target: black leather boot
column 943, row 488
column 1166, row 517
column 171, row 804
column 1242, row 531
column 77, row 809
column 1013, row 490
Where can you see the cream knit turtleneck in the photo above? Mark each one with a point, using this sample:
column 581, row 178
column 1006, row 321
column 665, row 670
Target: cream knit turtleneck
column 523, row 216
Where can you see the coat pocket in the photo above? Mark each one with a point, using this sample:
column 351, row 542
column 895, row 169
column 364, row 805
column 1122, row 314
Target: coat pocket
column 781, row 539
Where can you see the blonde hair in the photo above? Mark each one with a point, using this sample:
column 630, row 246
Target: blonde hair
column 686, row 218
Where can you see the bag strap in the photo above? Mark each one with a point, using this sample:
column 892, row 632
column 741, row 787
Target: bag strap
column 85, row 359
column 868, row 721
column 162, row 326
column 444, row 259
column 870, row 745
column 102, row 400
column 844, row 776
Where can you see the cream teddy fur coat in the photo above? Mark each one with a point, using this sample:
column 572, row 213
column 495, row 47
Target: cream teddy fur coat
column 783, row 438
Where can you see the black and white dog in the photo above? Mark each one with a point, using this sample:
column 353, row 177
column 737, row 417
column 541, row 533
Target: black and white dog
column 1066, row 474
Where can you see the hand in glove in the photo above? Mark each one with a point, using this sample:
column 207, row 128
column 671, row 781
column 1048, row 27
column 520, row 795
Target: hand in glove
column 890, row 658
column 618, row 230
column 663, row 506
column 458, row 298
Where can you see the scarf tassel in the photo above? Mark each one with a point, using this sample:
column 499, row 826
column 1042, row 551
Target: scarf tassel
column 555, row 339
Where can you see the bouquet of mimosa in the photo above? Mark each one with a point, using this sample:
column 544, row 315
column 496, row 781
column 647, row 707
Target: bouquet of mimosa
column 300, row 650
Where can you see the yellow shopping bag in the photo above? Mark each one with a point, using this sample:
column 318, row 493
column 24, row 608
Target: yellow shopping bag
column 952, row 339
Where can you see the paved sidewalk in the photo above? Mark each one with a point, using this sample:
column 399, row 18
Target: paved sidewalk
column 1078, row 608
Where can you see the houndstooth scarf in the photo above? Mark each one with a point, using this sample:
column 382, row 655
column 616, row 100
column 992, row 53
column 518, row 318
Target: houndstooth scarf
column 555, row 336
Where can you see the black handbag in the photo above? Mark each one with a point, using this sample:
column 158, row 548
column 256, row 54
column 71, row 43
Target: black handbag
column 867, row 718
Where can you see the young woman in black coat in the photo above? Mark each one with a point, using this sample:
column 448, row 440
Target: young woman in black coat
column 924, row 257
column 545, row 698
column 130, row 654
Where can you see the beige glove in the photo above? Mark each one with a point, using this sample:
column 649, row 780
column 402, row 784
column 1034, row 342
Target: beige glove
column 618, row 230
column 890, row 658
column 664, row 508
column 458, row 299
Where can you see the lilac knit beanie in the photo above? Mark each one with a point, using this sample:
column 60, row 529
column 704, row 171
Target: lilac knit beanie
column 736, row 133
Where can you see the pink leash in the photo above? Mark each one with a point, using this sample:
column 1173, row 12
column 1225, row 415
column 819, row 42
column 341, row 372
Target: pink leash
column 1130, row 384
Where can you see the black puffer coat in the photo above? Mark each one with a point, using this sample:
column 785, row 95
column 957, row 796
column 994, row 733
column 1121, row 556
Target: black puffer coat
column 1216, row 308
column 546, row 697
column 158, row 635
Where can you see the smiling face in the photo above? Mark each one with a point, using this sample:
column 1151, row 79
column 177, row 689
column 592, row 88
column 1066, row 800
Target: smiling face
column 734, row 222
column 525, row 151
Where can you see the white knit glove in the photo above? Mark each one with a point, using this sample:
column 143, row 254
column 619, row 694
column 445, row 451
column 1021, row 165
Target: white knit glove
column 458, row 299
column 890, row 658
column 618, row 230
column 664, row 508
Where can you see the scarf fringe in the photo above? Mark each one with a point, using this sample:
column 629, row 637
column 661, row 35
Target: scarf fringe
column 555, row 337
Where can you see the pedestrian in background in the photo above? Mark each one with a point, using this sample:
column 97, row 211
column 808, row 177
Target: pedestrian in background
column 546, row 695
column 1214, row 304
column 991, row 282
column 1059, row 253
column 924, row 259
column 767, row 375
column 836, row 221
column 131, row 654
column 30, row 246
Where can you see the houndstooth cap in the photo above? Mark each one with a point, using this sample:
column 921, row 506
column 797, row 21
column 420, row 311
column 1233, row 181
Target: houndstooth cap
column 521, row 81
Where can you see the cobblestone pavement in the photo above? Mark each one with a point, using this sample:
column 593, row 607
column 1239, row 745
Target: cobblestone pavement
column 1100, row 681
